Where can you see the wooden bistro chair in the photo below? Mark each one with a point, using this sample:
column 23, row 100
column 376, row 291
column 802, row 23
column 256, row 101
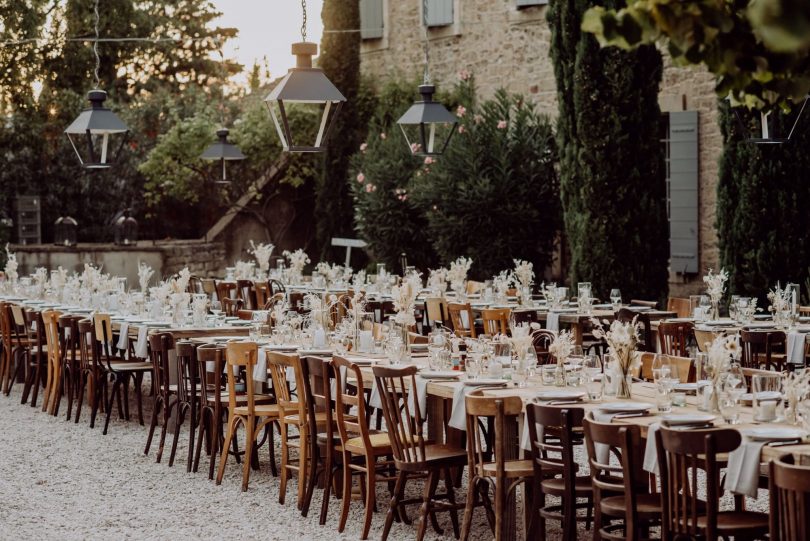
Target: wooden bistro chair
column 117, row 367
column 92, row 373
column 413, row 455
column 555, row 469
column 71, row 371
column 161, row 348
column 231, row 307
column 790, row 500
column 189, row 389
column 679, row 305
column 463, row 319
column 54, row 353
column 252, row 416
column 36, row 358
column 687, row 463
column 500, row 472
column 246, row 290
column 292, row 414
column 8, row 357
column 361, row 447
column 763, row 349
column 436, row 312
column 621, row 490
column 673, row 337
column 686, row 367
column 496, row 321
column 225, row 290
column 16, row 343
column 542, row 340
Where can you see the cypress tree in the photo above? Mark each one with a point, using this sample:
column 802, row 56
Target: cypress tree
column 762, row 199
column 340, row 60
column 611, row 161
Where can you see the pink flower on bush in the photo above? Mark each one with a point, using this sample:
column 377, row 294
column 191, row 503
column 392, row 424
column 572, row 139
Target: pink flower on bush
column 463, row 75
column 461, row 129
column 461, row 111
column 502, row 124
column 363, row 147
column 478, row 118
column 415, row 147
column 429, row 160
column 383, row 136
column 370, row 188
column 361, row 178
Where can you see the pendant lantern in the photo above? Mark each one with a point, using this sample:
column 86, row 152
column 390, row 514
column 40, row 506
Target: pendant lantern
column 97, row 134
column 222, row 151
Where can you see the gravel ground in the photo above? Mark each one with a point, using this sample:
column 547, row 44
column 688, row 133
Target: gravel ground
column 59, row 480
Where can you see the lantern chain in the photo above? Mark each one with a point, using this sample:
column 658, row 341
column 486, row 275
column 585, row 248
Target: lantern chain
column 95, row 46
column 304, row 21
column 426, row 77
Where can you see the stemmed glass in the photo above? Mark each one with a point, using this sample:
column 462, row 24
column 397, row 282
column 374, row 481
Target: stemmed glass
column 615, row 298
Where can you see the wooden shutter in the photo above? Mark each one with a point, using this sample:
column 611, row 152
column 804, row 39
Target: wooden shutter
column 682, row 191
column 439, row 13
column 528, row 3
column 371, row 19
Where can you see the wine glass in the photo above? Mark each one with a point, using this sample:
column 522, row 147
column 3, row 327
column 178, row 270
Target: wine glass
column 616, row 298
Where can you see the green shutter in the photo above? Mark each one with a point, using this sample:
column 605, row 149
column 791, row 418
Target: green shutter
column 682, row 189
column 439, row 13
column 371, row 19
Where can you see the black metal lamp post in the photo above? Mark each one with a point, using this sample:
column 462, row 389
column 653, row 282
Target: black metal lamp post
column 65, row 231
column 94, row 133
column 126, row 230
column 223, row 151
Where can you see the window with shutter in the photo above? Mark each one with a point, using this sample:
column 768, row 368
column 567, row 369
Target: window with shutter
column 682, row 191
column 371, row 19
column 529, row 3
column 439, row 13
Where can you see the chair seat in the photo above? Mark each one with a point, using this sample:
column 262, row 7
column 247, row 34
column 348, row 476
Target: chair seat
column 242, row 398
column 556, row 486
column 730, row 521
column 436, row 456
column 379, row 442
column 647, row 505
column 295, row 419
column 260, row 410
column 131, row 366
column 512, row 468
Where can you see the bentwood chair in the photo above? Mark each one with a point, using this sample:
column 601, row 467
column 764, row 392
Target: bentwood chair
column 36, row 357
column 463, row 319
column 231, row 307
column 496, row 321
column 555, row 469
column 54, row 353
column 188, row 390
column 92, row 373
column 161, row 347
column 789, row 500
column 225, row 290
column 211, row 367
column 252, row 416
column 542, row 340
column 359, row 442
column 504, row 472
column 8, row 354
column 245, row 290
column 673, row 337
column 71, row 362
column 689, row 471
column 15, row 345
column 414, row 456
column 763, row 349
column 680, row 306
column 436, row 312
column 621, row 490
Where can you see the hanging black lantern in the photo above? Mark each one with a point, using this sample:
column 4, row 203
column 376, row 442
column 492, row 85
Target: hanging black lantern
column 309, row 86
column 126, row 229
column 767, row 128
column 223, row 151
column 95, row 133
column 427, row 125
column 65, row 231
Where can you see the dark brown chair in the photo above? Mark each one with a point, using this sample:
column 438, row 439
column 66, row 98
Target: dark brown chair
column 790, row 500
column 71, row 361
column 161, row 347
column 504, row 471
column 520, row 316
column 625, row 315
column 674, row 336
column 763, row 349
column 92, row 373
column 195, row 285
column 380, row 310
column 35, row 357
column 225, row 290
column 209, row 418
column 461, row 327
column 15, row 344
column 246, row 290
column 542, row 339
column 231, row 307
column 620, row 491
column 413, row 455
column 682, row 456
column 555, row 469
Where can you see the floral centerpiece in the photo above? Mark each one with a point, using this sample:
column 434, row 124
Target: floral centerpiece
column 622, row 338
column 715, row 286
column 298, row 260
column 561, row 348
column 796, row 386
column 722, row 351
column 180, row 284
column 359, row 279
column 404, row 296
column 262, row 253
column 59, row 278
column 145, row 272
column 10, row 269
column 501, row 284
column 437, row 280
column 523, row 338
column 781, row 305
column 524, row 276
column 243, row 270
column 457, row 274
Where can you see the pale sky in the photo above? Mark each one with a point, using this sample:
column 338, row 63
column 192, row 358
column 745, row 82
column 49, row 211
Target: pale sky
column 267, row 28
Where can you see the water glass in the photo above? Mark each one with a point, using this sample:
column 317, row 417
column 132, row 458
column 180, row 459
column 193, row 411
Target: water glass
column 616, row 298
column 728, row 408
column 473, row 366
column 549, row 372
column 594, row 385
column 663, row 398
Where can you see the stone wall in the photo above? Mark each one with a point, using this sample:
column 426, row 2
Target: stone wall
column 506, row 47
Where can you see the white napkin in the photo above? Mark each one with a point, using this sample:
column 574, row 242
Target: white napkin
column 319, row 338
column 142, row 345
column 260, row 369
column 374, row 399
column 742, row 472
column 366, row 342
column 465, row 319
column 421, row 394
column 795, row 347
column 602, row 451
column 123, row 336
column 458, row 416
column 650, row 452
column 553, row 321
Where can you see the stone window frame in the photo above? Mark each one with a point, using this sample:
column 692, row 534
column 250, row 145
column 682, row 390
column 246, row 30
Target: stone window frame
column 524, row 15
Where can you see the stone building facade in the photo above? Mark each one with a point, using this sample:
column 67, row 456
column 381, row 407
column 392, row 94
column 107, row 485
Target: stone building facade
column 505, row 43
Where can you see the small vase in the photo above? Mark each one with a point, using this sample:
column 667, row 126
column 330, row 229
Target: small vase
column 715, row 314
column 406, row 343
column 559, row 376
column 624, row 386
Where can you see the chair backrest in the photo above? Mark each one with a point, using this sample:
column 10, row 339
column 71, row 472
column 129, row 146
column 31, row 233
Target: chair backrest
column 704, row 338
column 103, row 335
column 679, row 305
column 50, row 322
column 501, row 410
column 350, row 427
column 68, row 328
column 35, row 329
column 273, row 300
column 245, row 315
column 496, row 320
column 186, row 372
column 463, row 320
column 790, row 500
column 683, row 455
column 553, row 449
column 231, row 307
column 542, row 340
column 436, row 309
column 279, row 364
column 380, row 309
column 211, row 360
column 625, row 315
column 262, row 291
column 195, row 285
column 673, row 337
column 758, row 348
column 6, row 331
column 525, row 316
column 89, row 352
column 318, row 377
column 276, row 286
column 225, row 290
column 473, row 287
column 208, row 286
column 245, row 290
column 241, row 356
column 403, row 417
column 161, row 348
column 686, row 367
column 627, row 477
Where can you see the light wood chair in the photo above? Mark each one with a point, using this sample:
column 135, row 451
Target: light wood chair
column 789, row 486
column 496, row 320
column 679, row 305
column 53, row 384
column 498, row 470
column 683, row 455
column 436, row 310
column 686, row 367
column 639, row 302
column 361, row 447
column 252, row 416
column 473, row 287
column 704, row 339
column 463, row 319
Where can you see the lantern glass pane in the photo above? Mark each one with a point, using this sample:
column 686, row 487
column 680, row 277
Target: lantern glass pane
column 428, row 139
column 303, row 126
